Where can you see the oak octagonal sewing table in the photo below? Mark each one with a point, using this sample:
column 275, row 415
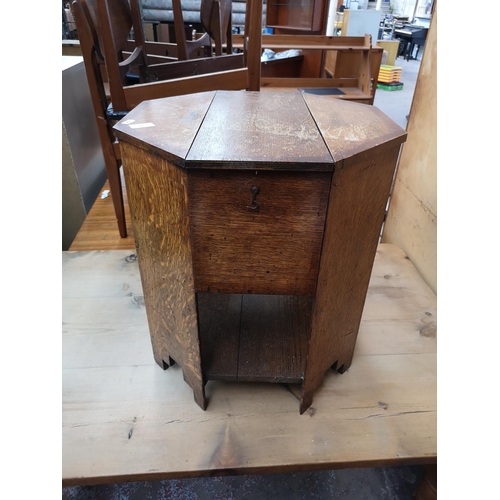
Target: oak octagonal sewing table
column 256, row 217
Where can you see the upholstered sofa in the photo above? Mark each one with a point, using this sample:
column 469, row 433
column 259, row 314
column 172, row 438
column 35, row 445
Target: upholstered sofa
column 161, row 11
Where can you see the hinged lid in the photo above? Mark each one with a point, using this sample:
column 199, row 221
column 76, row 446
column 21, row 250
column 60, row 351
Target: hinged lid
column 257, row 130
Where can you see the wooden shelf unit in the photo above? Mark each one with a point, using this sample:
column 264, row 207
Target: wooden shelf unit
column 254, row 338
column 296, row 15
column 357, row 84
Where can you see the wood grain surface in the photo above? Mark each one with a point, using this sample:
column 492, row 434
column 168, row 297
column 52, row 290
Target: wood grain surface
column 252, row 43
column 219, row 318
column 98, row 231
column 274, row 250
column 412, row 219
column 256, row 130
column 307, row 41
column 165, row 126
column 254, row 337
column 235, row 79
column 124, row 419
column 157, row 198
column 198, row 66
column 274, row 338
column 351, row 128
column 358, row 198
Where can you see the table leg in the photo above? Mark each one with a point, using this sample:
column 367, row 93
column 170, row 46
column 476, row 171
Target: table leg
column 349, row 248
column 161, row 232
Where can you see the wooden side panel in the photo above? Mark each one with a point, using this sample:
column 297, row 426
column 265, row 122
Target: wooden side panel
column 360, row 189
column 236, row 79
column 272, row 250
column 165, row 126
column 253, row 42
column 345, row 64
column 311, row 67
column 158, row 206
column 274, row 338
column 256, row 129
column 351, row 129
column 219, row 317
column 412, row 218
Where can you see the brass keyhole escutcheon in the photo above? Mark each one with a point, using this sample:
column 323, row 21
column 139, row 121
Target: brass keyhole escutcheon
column 254, row 206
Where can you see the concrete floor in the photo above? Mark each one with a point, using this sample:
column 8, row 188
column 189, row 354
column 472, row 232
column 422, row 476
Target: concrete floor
column 381, row 483
column 396, row 104
column 384, row 483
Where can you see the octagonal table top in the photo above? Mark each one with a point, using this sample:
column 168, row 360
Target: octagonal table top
column 257, row 130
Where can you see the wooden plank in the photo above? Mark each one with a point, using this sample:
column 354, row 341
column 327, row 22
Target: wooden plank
column 300, row 45
column 414, row 224
column 254, row 337
column 412, row 217
column 202, row 66
column 123, row 417
column 345, row 85
column 260, row 130
column 349, row 128
column 319, row 42
column 219, row 317
column 274, row 250
column 155, row 48
column 350, row 242
column 99, row 230
column 284, row 68
column 171, row 124
column 349, row 87
column 364, row 68
column 274, row 338
column 313, row 62
column 393, row 321
column 253, row 42
column 161, row 230
column 236, row 79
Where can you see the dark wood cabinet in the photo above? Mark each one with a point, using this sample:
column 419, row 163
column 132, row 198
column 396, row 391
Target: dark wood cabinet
column 297, row 16
column 256, row 217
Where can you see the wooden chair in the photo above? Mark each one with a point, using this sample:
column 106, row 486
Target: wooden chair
column 85, row 16
column 104, row 27
column 215, row 17
column 186, row 49
column 90, row 38
column 226, row 72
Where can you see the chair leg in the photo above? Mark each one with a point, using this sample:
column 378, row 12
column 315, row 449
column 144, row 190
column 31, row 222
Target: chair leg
column 115, row 186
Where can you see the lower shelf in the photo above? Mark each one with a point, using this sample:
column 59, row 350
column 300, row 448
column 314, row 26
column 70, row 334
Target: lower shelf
column 254, row 337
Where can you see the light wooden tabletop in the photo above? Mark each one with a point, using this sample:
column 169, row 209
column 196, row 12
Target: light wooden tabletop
column 126, row 419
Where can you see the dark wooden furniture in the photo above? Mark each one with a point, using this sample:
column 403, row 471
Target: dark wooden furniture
column 85, row 13
column 227, row 72
column 256, row 217
column 344, row 65
column 305, row 17
column 112, row 59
